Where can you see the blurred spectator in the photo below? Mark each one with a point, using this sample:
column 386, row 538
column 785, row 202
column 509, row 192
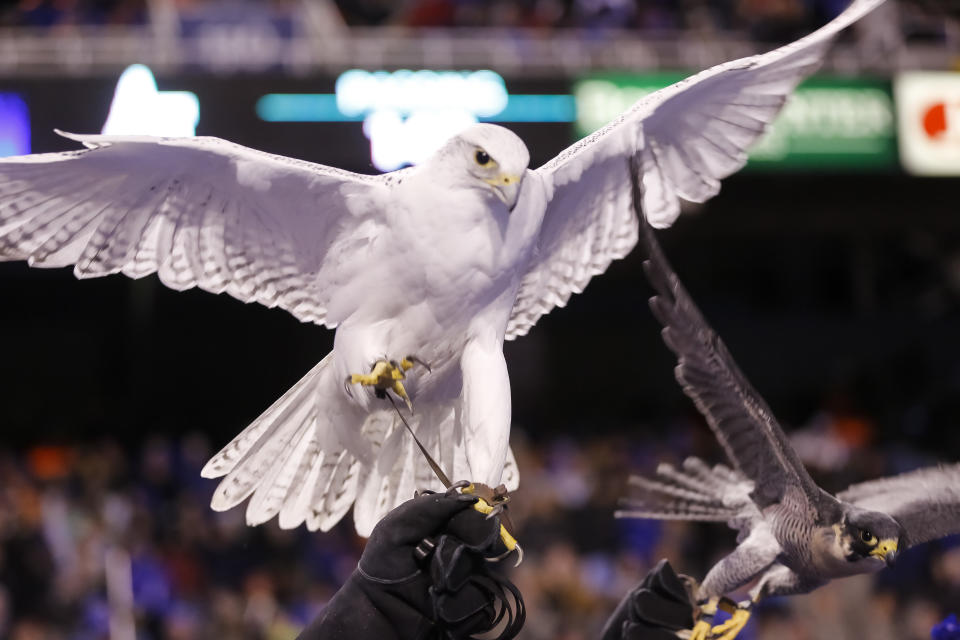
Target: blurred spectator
column 766, row 21
column 194, row 573
column 65, row 13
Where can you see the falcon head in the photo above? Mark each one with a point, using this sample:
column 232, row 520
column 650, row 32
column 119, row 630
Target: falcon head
column 870, row 534
column 494, row 158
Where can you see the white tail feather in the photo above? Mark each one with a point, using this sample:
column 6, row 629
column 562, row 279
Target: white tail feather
column 272, row 492
column 339, row 495
column 291, row 460
column 296, row 505
column 297, row 459
column 228, row 457
column 265, row 455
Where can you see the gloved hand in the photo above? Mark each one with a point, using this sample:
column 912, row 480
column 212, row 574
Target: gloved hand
column 423, row 575
column 657, row 608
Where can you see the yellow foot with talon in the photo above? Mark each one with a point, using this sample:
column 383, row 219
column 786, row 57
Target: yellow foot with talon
column 701, row 631
column 732, row 627
column 707, row 609
column 387, row 375
column 492, row 502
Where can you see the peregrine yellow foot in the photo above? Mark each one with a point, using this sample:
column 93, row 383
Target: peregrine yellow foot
column 701, row 630
column 387, row 375
column 732, row 627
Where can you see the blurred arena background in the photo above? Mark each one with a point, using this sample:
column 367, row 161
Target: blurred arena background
column 830, row 266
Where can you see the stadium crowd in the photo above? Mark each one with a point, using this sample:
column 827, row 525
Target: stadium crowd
column 65, row 13
column 66, row 508
column 767, row 20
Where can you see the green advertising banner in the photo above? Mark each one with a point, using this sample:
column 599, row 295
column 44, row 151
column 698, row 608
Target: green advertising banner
column 828, row 122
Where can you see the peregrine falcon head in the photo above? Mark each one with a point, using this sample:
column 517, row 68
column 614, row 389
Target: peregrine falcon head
column 870, row 534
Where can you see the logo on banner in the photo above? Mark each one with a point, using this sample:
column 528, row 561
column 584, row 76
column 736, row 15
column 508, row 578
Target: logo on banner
column 928, row 104
column 942, row 120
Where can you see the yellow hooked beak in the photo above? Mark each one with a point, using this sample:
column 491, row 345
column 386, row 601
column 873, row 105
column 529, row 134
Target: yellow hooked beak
column 507, row 188
column 886, row 550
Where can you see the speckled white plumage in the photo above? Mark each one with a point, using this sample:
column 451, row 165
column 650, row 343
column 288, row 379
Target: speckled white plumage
column 445, row 260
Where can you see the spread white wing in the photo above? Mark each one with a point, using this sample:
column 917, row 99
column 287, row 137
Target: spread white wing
column 200, row 212
column 687, row 137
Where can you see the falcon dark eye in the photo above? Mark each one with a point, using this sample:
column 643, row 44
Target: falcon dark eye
column 483, row 159
column 867, row 537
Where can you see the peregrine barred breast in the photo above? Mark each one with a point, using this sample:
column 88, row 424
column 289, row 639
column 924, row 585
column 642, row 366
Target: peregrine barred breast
column 793, row 535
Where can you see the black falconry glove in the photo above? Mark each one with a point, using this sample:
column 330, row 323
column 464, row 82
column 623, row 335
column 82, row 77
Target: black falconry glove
column 655, row 610
column 424, row 576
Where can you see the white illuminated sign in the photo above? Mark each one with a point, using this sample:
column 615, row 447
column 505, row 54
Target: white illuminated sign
column 409, row 114
column 139, row 109
column 396, row 141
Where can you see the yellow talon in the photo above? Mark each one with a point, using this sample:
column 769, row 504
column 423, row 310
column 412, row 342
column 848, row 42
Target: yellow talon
column 732, row 627
column 382, row 371
column 701, row 631
column 485, row 508
column 508, row 540
column 728, row 605
column 400, row 391
column 481, row 505
column 386, row 376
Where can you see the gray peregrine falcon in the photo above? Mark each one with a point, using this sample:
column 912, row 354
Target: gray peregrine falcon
column 793, row 535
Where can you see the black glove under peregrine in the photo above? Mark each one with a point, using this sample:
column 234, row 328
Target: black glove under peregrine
column 655, row 610
column 424, row 575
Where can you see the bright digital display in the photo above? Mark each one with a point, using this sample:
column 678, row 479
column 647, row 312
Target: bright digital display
column 14, row 125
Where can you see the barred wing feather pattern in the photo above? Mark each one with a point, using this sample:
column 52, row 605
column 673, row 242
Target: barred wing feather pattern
column 199, row 212
column 687, row 137
column 585, row 229
column 737, row 414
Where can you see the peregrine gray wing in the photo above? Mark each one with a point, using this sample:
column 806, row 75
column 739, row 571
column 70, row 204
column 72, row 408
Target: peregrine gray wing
column 925, row 502
column 738, row 416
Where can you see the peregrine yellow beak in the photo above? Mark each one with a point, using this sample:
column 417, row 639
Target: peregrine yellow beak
column 507, row 188
column 886, row 550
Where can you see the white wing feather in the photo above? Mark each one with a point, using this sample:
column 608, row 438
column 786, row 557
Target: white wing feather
column 200, row 212
column 688, row 137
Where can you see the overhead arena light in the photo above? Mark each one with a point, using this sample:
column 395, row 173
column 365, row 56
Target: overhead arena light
column 408, row 114
column 138, row 108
